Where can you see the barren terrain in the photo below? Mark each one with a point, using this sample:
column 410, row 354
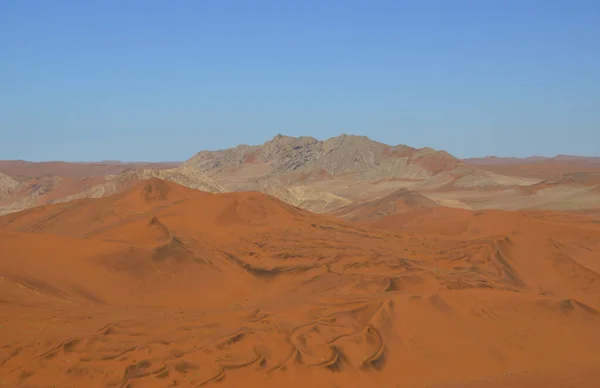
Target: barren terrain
column 162, row 286
column 23, row 171
column 324, row 176
column 300, row 262
column 538, row 167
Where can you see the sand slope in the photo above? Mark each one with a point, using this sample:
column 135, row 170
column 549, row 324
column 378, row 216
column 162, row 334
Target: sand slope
column 400, row 201
column 164, row 286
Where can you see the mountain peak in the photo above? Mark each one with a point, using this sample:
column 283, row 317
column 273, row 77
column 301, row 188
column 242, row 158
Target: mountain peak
column 304, row 159
column 346, row 136
column 280, row 137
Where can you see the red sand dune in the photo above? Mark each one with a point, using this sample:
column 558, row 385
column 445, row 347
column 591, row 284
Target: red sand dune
column 400, row 201
column 162, row 286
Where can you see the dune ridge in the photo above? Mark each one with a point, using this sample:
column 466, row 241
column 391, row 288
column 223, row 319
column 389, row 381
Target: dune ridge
column 400, row 201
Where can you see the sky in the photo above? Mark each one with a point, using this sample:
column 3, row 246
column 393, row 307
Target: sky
column 161, row 80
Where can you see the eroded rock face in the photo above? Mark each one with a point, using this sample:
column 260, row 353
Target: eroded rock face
column 308, row 159
column 7, row 183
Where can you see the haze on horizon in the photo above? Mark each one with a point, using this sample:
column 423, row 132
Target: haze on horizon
column 158, row 81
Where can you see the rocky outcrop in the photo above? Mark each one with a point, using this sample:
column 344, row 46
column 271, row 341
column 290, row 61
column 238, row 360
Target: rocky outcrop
column 7, row 184
column 307, row 159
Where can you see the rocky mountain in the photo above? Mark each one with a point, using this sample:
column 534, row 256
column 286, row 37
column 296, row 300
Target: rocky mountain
column 317, row 175
column 306, row 159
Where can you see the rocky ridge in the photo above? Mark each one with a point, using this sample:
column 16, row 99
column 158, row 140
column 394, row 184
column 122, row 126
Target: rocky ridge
column 317, row 175
column 306, row 159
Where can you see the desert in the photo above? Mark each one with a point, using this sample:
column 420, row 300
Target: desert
column 225, row 271
column 321, row 194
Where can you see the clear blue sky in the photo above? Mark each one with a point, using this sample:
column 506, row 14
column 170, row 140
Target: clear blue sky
column 161, row 80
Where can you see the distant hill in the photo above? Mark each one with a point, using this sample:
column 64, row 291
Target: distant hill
column 318, row 175
column 537, row 166
column 306, row 159
column 22, row 170
column 496, row 160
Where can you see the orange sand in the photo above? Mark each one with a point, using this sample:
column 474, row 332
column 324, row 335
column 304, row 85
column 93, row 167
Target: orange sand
column 400, row 201
column 163, row 286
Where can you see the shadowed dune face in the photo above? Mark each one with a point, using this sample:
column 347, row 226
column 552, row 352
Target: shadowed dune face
column 163, row 286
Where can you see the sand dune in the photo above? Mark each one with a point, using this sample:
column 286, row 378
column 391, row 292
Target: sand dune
column 400, row 201
column 163, row 286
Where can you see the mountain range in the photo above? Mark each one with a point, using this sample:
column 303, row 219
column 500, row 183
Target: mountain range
column 321, row 176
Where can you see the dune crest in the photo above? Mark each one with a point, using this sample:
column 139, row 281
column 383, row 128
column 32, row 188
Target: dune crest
column 400, row 201
column 155, row 189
